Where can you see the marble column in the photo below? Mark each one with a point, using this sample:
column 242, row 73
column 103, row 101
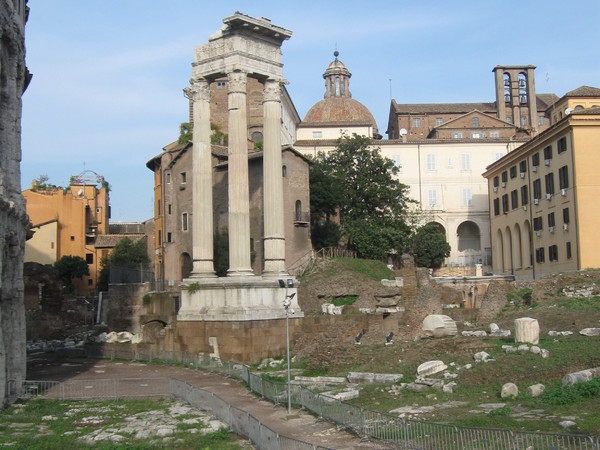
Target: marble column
column 239, row 204
column 274, row 231
column 202, row 218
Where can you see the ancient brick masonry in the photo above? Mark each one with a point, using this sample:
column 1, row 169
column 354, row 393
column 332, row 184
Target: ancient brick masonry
column 13, row 218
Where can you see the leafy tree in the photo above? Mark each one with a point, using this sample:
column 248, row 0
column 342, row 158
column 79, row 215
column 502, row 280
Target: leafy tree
column 69, row 267
column 129, row 254
column 430, row 247
column 361, row 184
column 186, row 132
column 41, row 184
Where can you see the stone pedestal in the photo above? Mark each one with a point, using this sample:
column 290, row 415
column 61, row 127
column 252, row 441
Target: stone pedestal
column 527, row 330
column 236, row 299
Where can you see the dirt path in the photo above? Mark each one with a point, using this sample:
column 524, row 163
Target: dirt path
column 300, row 425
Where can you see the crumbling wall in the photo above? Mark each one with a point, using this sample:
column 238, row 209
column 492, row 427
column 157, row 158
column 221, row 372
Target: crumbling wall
column 13, row 218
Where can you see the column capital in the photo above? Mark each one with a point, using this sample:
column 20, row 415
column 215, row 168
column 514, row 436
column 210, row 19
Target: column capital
column 237, row 81
column 272, row 90
column 199, row 89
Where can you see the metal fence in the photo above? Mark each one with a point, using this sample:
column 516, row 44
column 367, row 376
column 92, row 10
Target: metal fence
column 404, row 433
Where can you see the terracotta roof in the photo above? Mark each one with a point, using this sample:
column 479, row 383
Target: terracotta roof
column 110, row 240
column 339, row 110
column 545, row 100
column 584, row 91
column 126, row 228
column 444, row 108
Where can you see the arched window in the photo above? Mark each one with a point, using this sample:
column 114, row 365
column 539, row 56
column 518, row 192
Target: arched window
column 284, row 171
column 507, row 94
column 475, row 122
column 257, row 136
column 186, row 264
column 469, row 236
column 298, row 210
column 522, row 88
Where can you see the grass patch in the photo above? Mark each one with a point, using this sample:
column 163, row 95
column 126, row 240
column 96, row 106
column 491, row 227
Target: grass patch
column 375, row 270
column 521, row 296
column 581, row 304
column 343, row 301
column 565, row 395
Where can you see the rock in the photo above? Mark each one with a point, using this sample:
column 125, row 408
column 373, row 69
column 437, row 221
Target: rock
column 494, row 328
column 590, row 332
column 368, row 377
column 545, row 353
column 450, row 375
column 580, row 376
column 398, row 282
column 501, row 333
column 509, row 348
column 481, row 356
column 559, row 333
column 319, row 380
column 468, row 366
column 535, row 350
column 430, row 382
column 527, row 330
column 343, row 396
column 331, row 309
column 478, row 333
column 137, row 338
column 275, row 363
column 535, row 390
column 509, row 390
column 567, row 424
column 491, row 406
column 523, row 348
column 449, row 388
column 439, row 325
column 431, row 367
column 417, row 387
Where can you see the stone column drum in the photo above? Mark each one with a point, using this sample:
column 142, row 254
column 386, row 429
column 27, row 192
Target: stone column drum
column 274, row 240
column 239, row 207
column 202, row 219
column 527, row 330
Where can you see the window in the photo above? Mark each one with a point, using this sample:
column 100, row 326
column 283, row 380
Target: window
column 475, row 122
column 548, row 153
column 523, row 166
column 542, row 120
column 539, row 255
column 256, row 136
column 496, row 181
column 430, row 161
column 159, row 238
column 566, row 215
column 569, row 250
column 553, row 253
column 537, row 189
column 169, row 208
column 184, row 221
column 524, row 196
column 221, row 84
column 416, row 122
column 514, row 199
column 496, row 206
column 158, row 207
column 476, row 135
column 562, row 144
column 168, row 177
column 450, row 162
column 169, row 236
column 183, row 177
column 284, row 171
column 317, row 134
column 467, row 197
column 504, row 178
column 563, row 177
column 550, row 184
column 396, row 159
column 523, row 121
column 298, row 210
column 465, row 161
column 432, row 195
column 551, row 222
column 72, row 238
column 535, row 159
column 89, row 258
column 513, row 172
column 90, row 282
column 438, row 121
column 456, row 135
column 494, row 134
column 505, row 203
column 537, row 223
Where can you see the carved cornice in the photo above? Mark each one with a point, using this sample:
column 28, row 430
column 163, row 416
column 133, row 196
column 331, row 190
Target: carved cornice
column 199, row 90
column 237, row 82
column 272, row 91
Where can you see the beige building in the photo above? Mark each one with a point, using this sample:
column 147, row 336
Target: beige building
column 543, row 197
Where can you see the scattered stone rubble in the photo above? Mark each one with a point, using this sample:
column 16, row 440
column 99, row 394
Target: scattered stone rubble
column 439, row 325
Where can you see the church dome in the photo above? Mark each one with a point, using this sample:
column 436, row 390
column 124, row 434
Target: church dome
column 338, row 107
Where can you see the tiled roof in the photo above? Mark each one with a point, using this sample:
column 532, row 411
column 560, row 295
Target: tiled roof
column 545, row 100
column 584, row 91
column 110, row 240
column 126, row 228
column 339, row 110
column 586, row 111
column 442, row 108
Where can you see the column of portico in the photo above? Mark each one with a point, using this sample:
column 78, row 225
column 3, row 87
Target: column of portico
column 239, row 208
column 274, row 232
column 202, row 218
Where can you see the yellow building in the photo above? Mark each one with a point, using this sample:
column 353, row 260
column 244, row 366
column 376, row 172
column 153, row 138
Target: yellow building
column 543, row 196
column 67, row 222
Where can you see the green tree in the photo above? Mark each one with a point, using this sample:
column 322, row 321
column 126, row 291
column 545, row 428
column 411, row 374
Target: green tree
column 186, row 133
column 430, row 247
column 126, row 254
column 69, row 267
column 362, row 185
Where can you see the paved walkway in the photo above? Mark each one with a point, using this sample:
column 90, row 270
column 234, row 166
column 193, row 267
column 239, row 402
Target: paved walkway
column 299, row 425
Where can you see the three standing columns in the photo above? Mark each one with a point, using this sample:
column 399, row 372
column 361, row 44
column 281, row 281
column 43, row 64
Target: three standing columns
column 239, row 213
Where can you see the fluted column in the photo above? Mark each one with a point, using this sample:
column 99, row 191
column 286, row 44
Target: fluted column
column 274, row 232
column 239, row 209
column 202, row 218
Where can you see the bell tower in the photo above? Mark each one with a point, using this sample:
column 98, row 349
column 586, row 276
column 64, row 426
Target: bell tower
column 515, row 96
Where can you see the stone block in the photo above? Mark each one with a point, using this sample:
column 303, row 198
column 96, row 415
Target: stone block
column 580, row 376
column 439, row 325
column 590, row 332
column 509, row 390
column 527, row 330
column 430, row 368
column 536, row 390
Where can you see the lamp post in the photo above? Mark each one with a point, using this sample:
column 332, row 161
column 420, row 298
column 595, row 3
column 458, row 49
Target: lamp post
column 286, row 305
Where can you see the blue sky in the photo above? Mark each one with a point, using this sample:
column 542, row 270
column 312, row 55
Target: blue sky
column 108, row 75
